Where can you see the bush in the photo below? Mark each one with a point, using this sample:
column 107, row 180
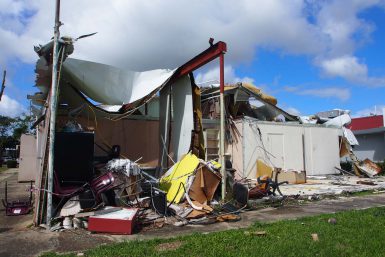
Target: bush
column 382, row 165
column 346, row 166
column 11, row 164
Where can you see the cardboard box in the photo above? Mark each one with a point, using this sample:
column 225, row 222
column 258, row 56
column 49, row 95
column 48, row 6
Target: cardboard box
column 118, row 222
column 293, row 177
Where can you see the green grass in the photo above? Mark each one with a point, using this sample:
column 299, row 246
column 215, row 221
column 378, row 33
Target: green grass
column 356, row 233
column 3, row 168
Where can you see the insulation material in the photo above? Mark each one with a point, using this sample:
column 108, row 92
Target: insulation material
column 175, row 179
column 127, row 167
column 110, row 85
column 257, row 91
column 71, row 207
column 339, row 121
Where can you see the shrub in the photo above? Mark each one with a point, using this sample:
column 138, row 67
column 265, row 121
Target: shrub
column 11, row 164
column 346, row 166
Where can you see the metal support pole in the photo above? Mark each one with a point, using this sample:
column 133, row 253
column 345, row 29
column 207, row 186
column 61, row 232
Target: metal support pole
column 222, row 123
column 53, row 106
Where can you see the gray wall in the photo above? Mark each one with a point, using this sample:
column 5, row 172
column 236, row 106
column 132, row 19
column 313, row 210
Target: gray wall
column 372, row 146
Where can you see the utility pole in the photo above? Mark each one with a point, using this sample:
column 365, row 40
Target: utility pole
column 222, row 122
column 53, row 106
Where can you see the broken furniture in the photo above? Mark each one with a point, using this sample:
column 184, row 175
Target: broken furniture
column 94, row 189
column 18, row 207
column 246, row 189
column 204, row 185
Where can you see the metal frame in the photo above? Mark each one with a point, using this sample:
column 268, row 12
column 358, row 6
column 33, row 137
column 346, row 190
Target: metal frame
column 214, row 51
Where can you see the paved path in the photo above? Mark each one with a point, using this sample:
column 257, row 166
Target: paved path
column 16, row 191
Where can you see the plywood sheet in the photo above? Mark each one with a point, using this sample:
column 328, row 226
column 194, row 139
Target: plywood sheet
column 28, row 158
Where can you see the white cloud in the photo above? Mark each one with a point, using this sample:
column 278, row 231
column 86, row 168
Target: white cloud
column 349, row 68
column 342, row 94
column 138, row 35
column 340, row 22
column 10, row 107
column 164, row 34
column 293, row 111
column 212, row 75
column 374, row 110
column 346, row 66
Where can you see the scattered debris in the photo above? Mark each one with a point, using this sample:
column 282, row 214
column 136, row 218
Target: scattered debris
column 168, row 246
column 228, row 217
column 256, row 233
column 365, row 182
column 368, row 168
column 315, row 237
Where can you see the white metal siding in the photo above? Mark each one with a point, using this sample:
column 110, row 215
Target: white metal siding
column 291, row 147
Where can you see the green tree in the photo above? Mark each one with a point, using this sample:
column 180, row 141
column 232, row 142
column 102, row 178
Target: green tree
column 6, row 129
column 22, row 125
column 11, row 130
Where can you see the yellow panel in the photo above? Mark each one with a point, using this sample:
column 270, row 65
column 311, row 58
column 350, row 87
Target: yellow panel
column 263, row 169
column 177, row 175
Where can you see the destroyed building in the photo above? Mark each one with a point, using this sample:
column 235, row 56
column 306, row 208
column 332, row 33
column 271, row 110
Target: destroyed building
column 151, row 140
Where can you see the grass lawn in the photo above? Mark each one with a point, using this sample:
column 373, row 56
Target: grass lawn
column 356, row 233
column 3, row 168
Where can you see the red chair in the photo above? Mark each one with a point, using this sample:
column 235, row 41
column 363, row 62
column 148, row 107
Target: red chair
column 97, row 187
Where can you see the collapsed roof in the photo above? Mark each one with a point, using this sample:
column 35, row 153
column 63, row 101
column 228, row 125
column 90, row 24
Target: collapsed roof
column 244, row 99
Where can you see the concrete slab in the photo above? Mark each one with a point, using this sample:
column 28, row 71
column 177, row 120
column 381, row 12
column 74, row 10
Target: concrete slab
column 333, row 185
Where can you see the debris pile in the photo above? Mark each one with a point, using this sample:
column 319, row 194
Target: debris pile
column 124, row 197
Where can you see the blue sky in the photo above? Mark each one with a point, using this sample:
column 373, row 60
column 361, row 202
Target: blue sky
column 311, row 55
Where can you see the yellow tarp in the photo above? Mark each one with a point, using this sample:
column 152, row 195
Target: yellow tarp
column 263, row 169
column 177, row 174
